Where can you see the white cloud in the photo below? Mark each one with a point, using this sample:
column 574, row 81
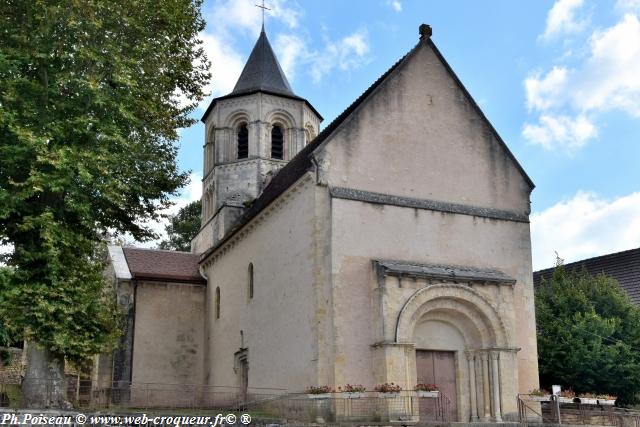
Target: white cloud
column 628, row 5
column 290, row 50
column 233, row 15
column 226, row 64
column 585, row 226
column 395, row 5
column 562, row 19
column 607, row 79
column 346, row 54
column 544, row 92
column 560, row 132
column 610, row 78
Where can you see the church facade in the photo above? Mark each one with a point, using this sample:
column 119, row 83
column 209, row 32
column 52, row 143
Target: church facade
column 392, row 246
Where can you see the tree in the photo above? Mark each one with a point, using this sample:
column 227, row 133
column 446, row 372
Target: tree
column 91, row 95
column 588, row 335
column 5, row 335
column 183, row 227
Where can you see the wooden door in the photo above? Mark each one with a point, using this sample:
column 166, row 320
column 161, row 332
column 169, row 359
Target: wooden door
column 438, row 367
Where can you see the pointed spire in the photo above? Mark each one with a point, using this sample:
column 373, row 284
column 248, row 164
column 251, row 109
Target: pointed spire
column 262, row 71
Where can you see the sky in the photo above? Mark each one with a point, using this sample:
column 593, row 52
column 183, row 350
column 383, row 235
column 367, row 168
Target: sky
column 559, row 80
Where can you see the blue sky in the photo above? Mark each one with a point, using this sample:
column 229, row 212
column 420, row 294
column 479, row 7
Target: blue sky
column 559, row 80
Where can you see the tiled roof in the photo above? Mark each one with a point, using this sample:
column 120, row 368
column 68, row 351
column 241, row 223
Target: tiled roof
column 622, row 266
column 154, row 264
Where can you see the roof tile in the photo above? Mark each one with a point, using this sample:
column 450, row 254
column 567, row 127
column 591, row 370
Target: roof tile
column 155, row 264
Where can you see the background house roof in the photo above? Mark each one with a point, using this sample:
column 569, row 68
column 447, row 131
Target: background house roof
column 154, row 264
column 622, row 266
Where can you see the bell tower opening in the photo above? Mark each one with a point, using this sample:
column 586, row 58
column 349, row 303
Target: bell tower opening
column 243, row 141
column 277, row 142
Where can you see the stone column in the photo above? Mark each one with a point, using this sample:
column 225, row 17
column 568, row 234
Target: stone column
column 495, row 386
column 472, row 385
column 485, row 387
column 256, row 143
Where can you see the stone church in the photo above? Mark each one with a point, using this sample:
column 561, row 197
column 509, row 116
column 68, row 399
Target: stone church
column 391, row 246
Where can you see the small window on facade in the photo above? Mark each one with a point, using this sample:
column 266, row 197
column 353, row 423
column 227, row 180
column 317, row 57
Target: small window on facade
column 243, row 141
column 218, row 302
column 250, row 280
column 277, row 142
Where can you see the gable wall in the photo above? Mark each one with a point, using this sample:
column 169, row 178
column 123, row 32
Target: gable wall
column 362, row 232
column 419, row 136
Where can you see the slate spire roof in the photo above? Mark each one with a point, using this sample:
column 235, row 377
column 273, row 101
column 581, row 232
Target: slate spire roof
column 262, row 71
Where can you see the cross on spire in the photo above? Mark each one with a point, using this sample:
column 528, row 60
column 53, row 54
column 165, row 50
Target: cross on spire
column 263, row 7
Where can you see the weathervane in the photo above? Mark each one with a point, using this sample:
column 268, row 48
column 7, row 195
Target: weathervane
column 263, row 7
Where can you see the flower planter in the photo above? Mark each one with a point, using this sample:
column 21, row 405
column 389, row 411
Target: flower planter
column 544, row 398
column 588, row 400
column 319, row 396
column 424, row 393
column 389, row 395
column 351, row 394
column 606, row 401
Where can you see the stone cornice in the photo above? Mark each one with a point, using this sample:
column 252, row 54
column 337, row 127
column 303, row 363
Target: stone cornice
column 443, row 273
column 432, row 205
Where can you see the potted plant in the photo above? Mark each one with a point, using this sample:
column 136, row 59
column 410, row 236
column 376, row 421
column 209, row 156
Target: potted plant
column 388, row 390
column 427, row 390
column 606, row 399
column 588, row 399
column 352, row 391
column 319, row 392
column 567, row 396
column 539, row 395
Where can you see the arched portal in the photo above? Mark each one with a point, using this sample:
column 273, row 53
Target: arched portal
column 458, row 337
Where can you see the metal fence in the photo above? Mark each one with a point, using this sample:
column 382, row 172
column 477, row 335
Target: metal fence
column 536, row 410
column 261, row 402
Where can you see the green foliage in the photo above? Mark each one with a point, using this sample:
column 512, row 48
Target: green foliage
column 183, row 227
column 588, row 335
column 91, row 95
column 5, row 335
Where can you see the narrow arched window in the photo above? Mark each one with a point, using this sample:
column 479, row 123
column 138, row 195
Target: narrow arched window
column 277, row 142
column 218, row 302
column 243, row 141
column 250, row 280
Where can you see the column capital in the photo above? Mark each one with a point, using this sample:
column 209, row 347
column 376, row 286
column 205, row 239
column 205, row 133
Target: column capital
column 470, row 354
column 494, row 355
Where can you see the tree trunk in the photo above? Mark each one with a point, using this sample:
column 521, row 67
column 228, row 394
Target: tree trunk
column 44, row 384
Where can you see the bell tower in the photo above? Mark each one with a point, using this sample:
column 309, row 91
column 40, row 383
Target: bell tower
column 250, row 134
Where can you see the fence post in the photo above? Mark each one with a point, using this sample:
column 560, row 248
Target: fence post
column 556, row 407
